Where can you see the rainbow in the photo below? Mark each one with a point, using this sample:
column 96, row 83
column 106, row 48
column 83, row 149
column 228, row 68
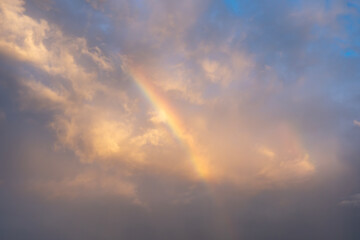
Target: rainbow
column 200, row 165
column 177, row 127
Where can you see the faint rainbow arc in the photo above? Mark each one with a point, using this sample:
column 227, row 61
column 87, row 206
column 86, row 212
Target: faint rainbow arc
column 160, row 103
column 200, row 165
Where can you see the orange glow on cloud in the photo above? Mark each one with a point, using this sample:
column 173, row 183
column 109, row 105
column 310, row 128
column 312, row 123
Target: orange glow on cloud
column 93, row 114
column 173, row 120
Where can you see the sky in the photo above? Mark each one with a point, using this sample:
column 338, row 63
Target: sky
column 165, row 119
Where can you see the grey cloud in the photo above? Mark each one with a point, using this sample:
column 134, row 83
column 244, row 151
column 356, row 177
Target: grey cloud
column 265, row 91
column 352, row 201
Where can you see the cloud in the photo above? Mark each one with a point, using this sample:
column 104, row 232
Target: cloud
column 97, row 4
column 352, row 201
column 68, row 83
column 243, row 133
column 209, row 115
column 356, row 123
column 99, row 121
column 88, row 184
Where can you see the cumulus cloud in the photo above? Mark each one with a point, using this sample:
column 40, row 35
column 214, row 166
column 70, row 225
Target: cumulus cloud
column 91, row 116
column 189, row 109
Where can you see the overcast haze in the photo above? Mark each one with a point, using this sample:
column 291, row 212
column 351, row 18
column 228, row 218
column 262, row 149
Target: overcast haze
column 156, row 119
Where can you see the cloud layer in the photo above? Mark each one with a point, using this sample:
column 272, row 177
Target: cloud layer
column 202, row 116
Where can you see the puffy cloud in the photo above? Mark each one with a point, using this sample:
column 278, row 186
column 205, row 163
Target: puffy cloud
column 200, row 110
column 87, row 119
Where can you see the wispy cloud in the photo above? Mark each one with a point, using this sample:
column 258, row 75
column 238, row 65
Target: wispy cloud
column 352, row 201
